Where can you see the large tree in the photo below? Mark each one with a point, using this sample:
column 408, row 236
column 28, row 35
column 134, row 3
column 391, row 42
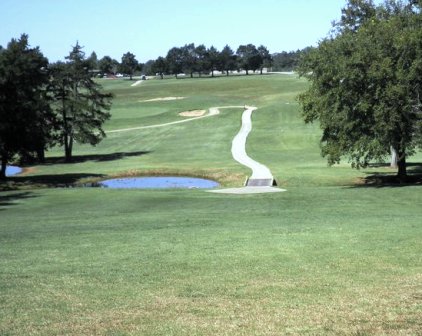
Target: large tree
column 80, row 105
column 265, row 58
column 175, row 60
column 248, row 57
column 227, row 60
column 107, row 65
column 129, row 64
column 366, row 84
column 24, row 110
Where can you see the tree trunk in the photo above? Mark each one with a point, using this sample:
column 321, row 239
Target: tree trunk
column 227, row 72
column 401, row 164
column 3, row 167
column 41, row 155
column 393, row 162
column 68, row 145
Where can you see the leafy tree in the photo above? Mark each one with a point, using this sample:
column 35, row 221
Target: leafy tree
column 287, row 61
column 107, row 65
column 366, row 84
column 213, row 59
column 265, row 57
column 248, row 57
column 129, row 64
column 24, row 111
column 189, row 59
column 80, row 105
column 160, row 66
column 202, row 59
column 227, row 60
column 93, row 61
column 174, row 60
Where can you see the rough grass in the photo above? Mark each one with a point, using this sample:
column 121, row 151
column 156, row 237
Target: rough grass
column 327, row 257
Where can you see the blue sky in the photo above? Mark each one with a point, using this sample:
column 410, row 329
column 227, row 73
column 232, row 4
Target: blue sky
column 149, row 28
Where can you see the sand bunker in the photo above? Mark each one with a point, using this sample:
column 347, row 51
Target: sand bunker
column 163, row 99
column 193, row 113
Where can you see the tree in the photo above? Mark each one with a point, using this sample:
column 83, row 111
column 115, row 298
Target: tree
column 129, row 64
column 249, row 58
column 174, row 60
column 265, row 57
column 93, row 61
column 160, row 66
column 80, row 105
column 107, row 65
column 366, row 84
column 202, row 59
column 189, row 59
column 213, row 59
column 24, row 111
column 227, row 60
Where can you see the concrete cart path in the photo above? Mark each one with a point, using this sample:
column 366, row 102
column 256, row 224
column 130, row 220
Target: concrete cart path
column 260, row 172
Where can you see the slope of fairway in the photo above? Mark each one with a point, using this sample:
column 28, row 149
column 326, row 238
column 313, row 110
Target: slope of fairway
column 279, row 139
column 327, row 257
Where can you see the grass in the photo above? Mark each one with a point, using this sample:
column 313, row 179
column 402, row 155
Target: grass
column 327, row 257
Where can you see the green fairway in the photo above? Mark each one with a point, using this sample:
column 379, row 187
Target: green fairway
column 330, row 256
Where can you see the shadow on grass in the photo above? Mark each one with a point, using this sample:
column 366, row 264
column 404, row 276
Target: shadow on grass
column 95, row 157
column 385, row 179
column 49, row 181
column 9, row 200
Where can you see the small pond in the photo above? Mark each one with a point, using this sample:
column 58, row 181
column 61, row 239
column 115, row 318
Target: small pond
column 13, row 170
column 160, row 182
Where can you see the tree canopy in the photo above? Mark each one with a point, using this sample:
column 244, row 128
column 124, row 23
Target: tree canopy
column 129, row 64
column 80, row 106
column 366, row 84
column 24, row 110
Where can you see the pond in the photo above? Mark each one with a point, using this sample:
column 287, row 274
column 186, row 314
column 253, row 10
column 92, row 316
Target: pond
column 160, row 182
column 13, row 170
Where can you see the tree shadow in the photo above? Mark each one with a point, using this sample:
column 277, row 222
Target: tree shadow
column 94, row 157
column 380, row 179
column 9, row 200
column 50, row 181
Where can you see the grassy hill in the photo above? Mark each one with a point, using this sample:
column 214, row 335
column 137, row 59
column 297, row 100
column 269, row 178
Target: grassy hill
column 327, row 257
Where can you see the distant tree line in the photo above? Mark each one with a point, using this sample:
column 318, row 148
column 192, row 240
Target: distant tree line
column 43, row 104
column 190, row 59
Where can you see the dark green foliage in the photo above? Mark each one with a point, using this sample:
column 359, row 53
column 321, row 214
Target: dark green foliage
column 24, row 112
column 249, row 57
column 129, row 64
column 366, row 83
column 107, row 65
column 81, row 108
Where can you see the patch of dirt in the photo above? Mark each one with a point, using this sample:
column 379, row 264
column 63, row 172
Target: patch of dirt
column 28, row 170
column 193, row 113
column 163, row 99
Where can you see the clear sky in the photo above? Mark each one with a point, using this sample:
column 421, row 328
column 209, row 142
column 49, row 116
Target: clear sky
column 149, row 28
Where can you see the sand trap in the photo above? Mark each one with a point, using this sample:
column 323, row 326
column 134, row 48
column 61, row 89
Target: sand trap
column 193, row 113
column 162, row 99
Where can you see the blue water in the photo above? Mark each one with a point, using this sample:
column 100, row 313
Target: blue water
column 162, row 182
column 13, row 170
